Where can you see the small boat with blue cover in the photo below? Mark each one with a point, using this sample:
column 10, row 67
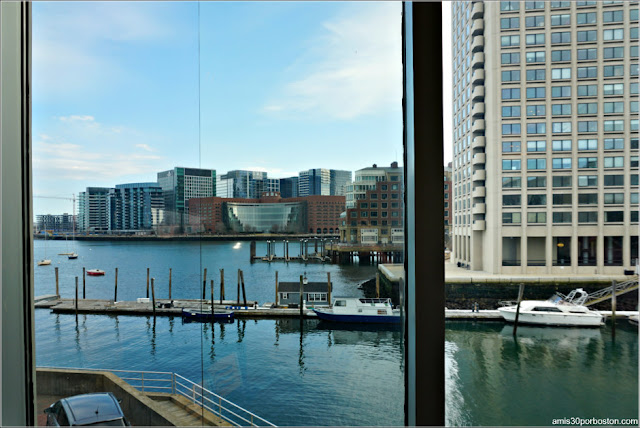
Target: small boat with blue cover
column 360, row 310
column 205, row 315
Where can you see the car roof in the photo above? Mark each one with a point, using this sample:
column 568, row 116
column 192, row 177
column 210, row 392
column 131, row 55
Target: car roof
column 91, row 408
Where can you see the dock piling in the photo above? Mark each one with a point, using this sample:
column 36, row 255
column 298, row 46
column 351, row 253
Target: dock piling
column 84, row 276
column 57, row 288
column 115, row 293
column 613, row 309
column 301, row 301
column 153, row 298
column 76, row 302
column 238, row 295
column 169, row 283
column 329, row 288
column 276, row 289
column 378, row 285
column 147, row 283
column 244, row 295
column 212, row 304
column 221, row 285
column 204, row 285
column 520, row 293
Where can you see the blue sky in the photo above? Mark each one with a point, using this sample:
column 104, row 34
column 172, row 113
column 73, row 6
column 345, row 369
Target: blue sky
column 119, row 89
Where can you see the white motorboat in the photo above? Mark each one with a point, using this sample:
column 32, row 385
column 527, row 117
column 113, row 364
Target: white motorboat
column 44, row 262
column 559, row 310
column 361, row 310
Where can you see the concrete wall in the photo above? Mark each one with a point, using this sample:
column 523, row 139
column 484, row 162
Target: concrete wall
column 139, row 409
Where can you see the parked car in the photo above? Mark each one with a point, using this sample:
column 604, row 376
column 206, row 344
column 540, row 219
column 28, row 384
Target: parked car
column 99, row 408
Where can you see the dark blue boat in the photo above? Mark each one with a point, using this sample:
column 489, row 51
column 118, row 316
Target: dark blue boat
column 205, row 315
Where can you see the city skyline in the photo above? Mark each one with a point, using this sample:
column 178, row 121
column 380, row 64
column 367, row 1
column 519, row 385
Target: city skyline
column 119, row 96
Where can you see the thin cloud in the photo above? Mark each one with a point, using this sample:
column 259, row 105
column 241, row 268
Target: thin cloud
column 144, row 147
column 353, row 69
column 75, row 118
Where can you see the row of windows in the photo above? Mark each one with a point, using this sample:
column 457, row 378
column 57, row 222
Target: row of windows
column 564, row 55
column 561, row 20
column 538, row 181
column 590, row 144
column 508, row 94
column 566, row 199
column 565, row 163
column 512, row 6
column 566, row 217
column 584, row 126
column 564, row 73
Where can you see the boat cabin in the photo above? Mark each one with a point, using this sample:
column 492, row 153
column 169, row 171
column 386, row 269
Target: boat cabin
column 313, row 294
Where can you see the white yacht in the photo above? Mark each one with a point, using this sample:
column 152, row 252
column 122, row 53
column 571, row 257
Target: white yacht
column 559, row 310
column 361, row 310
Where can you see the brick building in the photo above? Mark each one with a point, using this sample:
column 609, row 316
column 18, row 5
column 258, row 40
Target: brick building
column 269, row 213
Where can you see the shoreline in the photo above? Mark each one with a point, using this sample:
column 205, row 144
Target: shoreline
column 193, row 238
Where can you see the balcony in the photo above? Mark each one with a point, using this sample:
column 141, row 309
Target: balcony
column 478, row 44
column 479, row 192
column 478, row 126
column 477, row 61
column 479, row 159
column 477, row 11
column 477, row 110
column 479, row 208
column 478, row 27
column 479, row 225
column 478, row 77
column 479, row 175
column 478, row 142
column 478, row 94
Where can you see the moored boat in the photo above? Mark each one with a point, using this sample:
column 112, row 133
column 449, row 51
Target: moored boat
column 44, row 262
column 205, row 315
column 559, row 310
column 73, row 256
column 360, row 310
column 95, row 272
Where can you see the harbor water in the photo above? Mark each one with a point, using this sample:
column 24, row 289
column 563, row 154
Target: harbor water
column 316, row 374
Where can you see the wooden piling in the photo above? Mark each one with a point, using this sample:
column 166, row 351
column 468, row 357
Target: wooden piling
column 378, row 284
column 84, row 277
column 276, row 289
column 153, row 297
column 147, row 283
column 244, row 295
column 115, row 293
column 169, row 283
column 520, row 293
column 329, row 288
column 76, row 305
column 238, row 295
column 252, row 250
column 221, row 285
column 301, row 302
column 212, row 304
column 57, row 286
column 613, row 309
column 204, row 285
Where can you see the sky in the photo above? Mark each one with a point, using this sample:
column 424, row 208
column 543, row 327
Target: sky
column 123, row 90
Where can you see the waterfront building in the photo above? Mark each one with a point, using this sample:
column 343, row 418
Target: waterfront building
column 181, row 184
column 378, row 215
column 94, row 210
column 224, row 187
column 289, row 187
column 323, row 181
column 447, row 205
column 246, row 184
column 269, row 213
column 136, row 206
column 313, row 294
column 366, row 179
column 55, row 222
column 545, row 122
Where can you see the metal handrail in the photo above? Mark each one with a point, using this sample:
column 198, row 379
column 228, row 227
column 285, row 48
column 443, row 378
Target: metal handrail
column 229, row 411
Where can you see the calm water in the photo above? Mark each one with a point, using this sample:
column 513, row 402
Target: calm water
column 319, row 375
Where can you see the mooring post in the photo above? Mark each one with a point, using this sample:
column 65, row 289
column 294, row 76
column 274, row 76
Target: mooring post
column 212, row 310
column 378, row 284
column 238, row 295
column 83, row 281
column 287, row 252
column 401, row 296
column 613, row 309
column 276, row 289
column 153, row 297
column 244, row 295
column 147, row 283
column 76, row 305
column 329, row 288
column 221, row 285
column 520, row 293
column 204, row 285
column 169, row 283
column 57, row 288
column 252, row 250
column 301, row 301
column 115, row 293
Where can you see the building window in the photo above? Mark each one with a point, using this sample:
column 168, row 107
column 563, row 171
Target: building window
column 509, row 23
column 533, row 93
column 511, row 164
column 587, row 72
column 613, row 70
column 561, row 37
column 511, row 94
column 511, row 200
column 536, row 146
column 536, row 164
column 511, row 218
column 588, row 90
column 586, row 18
column 509, row 6
column 535, row 57
column 536, row 74
column 587, row 126
column 511, row 111
column 613, row 198
column 559, row 20
column 535, row 128
column 534, row 5
column 587, row 144
column 588, row 217
column 590, row 162
column 561, row 163
column 587, row 108
column 612, row 16
column 511, row 182
column 560, row 91
column 562, row 181
column 562, row 217
column 561, row 109
column 561, row 55
column 614, row 180
column 613, row 34
column 509, row 41
column 613, row 216
column 614, row 89
column 536, row 181
column 511, row 76
column 587, row 55
column 560, row 73
column 561, row 127
column 511, row 147
column 561, row 146
column 587, row 199
column 538, row 110
column 536, row 200
column 613, row 126
column 587, row 36
column 536, row 217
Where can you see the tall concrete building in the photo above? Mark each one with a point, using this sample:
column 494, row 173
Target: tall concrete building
column 245, row 184
column 136, row 206
column 94, row 210
column 545, row 113
column 181, row 184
